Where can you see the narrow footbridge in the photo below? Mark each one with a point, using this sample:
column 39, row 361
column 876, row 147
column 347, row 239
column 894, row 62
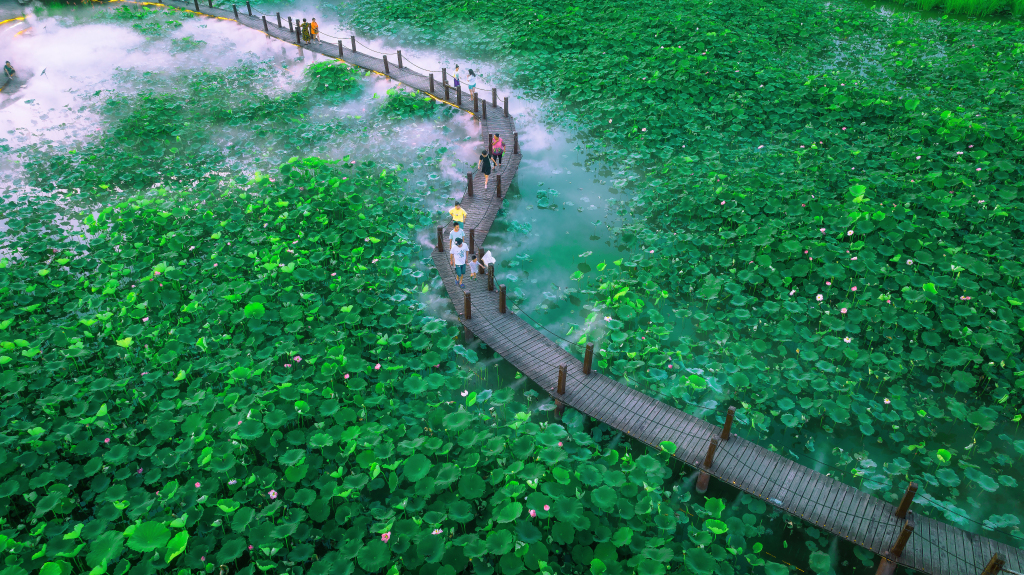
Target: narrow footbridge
column 895, row 532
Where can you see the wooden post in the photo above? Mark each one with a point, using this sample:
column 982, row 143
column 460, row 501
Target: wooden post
column 501, row 298
column 399, row 59
column 472, row 241
column 341, row 50
column 499, row 186
column 887, row 565
column 458, row 97
column 995, row 565
column 235, row 8
column 210, row 2
column 431, row 83
column 266, row 29
column 447, row 96
column 197, row 5
column 444, row 76
column 494, row 97
column 290, row 29
column 704, row 478
column 490, row 144
column 354, row 43
column 466, row 307
column 728, row 423
column 476, row 103
column 298, row 33
column 506, row 106
column 469, row 184
column 248, row 7
column 562, row 372
column 908, row 498
column 484, row 110
column 490, row 278
column 588, row 358
column 515, row 142
column 279, row 20
column 440, row 239
column 386, row 70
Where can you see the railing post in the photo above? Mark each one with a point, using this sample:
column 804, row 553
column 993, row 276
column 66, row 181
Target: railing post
column 727, row 429
column 399, row 59
column 197, row 5
column 562, row 371
column 354, row 43
column 447, row 96
column 444, row 75
column 290, row 29
column 515, row 142
column 341, row 50
column 494, row 97
column 704, row 478
column 210, row 2
column 469, row 184
column 490, row 278
column 995, row 565
column 476, row 103
column 386, row 69
column 506, row 106
column 887, row 565
column 499, row 186
column 472, row 241
column 279, row 20
column 298, row 33
column 431, row 83
column 266, row 28
column 458, row 97
column 235, row 8
column 466, row 307
column 490, row 144
column 588, row 358
column 483, row 112
column 248, row 7
column 440, row 239
column 908, row 498
column 501, row 298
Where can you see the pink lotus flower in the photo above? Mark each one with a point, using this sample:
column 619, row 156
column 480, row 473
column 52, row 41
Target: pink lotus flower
column 374, row 261
column 843, row 310
column 346, row 376
column 910, row 262
column 215, row 265
column 847, row 340
column 547, row 508
column 849, row 232
column 197, row 485
column 156, row 273
column 670, row 366
column 287, row 365
column 465, row 392
column 250, row 548
column 232, row 482
column 334, row 274
column 386, row 537
column 791, row 292
column 272, row 494
column 854, row 258
column 854, row 288
column 376, row 366
column 533, row 513
column 203, row 558
column 828, row 283
column 822, row 230
column 145, row 319
column 436, row 532
column 886, row 400
column 819, row 297
column 297, row 359
column 723, row 202
column 140, row 471
column 559, row 443
column 107, row 440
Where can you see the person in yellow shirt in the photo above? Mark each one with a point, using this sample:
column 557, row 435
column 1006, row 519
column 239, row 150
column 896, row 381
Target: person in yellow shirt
column 314, row 29
column 458, row 214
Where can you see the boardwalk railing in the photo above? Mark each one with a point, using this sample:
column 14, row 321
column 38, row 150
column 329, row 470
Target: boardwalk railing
column 896, row 533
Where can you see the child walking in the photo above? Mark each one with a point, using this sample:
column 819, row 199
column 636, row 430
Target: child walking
column 474, row 267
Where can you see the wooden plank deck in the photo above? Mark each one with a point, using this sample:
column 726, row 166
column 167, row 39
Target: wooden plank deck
column 936, row 547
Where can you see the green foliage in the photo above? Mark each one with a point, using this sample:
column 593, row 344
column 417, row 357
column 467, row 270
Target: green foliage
column 402, row 103
column 332, row 78
column 186, row 44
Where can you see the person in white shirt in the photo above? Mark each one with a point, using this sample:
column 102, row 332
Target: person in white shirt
column 457, row 233
column 458, row 258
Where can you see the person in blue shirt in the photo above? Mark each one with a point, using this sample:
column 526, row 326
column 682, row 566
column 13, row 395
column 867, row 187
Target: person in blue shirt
column 457, row 233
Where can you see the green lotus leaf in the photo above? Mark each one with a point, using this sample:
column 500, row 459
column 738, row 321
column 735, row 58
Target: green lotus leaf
column 149, row 536
column 250, row 429
column 604, row 497
column 457, row 421
column 461, row 511
column 509, row 512
column 500, row 542
column 231, row 549
column 374, row 556
column 772, row 568
column 416, row 467
column 820, row 562
column 105, row 549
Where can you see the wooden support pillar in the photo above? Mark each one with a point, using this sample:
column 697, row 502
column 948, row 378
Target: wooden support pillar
column 506, row 106
column 494, row 97
column 472, row 241
column 490, row 278
column 197, row 5
column 501, row 299
column 248, row 7
column 908, row 498
column 476, row 103
column 709, row 458
column 386, row 69
column 490, row 144
column 431, row 83
column 458, row 97
column 469, row 184
column 290, row 29
column 440, row 239
column 266, row 28
column 235, row 8
column 887, row 564
column 727, row 429
column 515, row 142
column 563, row 371
column 354, row 43
column 279, row 20
column 995, row 565
column 298, row 33
column 444, row 76
column 399, row 59
column 210, row 2
column 588, row 358
column 341, row 50
column 499, row 186
column 484, row 110
column 467, row 309
column 447, row 96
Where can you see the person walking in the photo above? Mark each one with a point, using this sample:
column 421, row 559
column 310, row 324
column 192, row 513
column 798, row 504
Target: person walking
column 305, row 31
column 458, row 259
column 458, row 214
column 471, row 82
column 457, row 233
column 484, row 165
column 497, row 148
column 314, row 29
column 474, row 266
column 9, row 70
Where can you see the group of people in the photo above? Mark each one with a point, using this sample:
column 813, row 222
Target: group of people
column 310, row 30
column 459, row 254
column 470, row 80
column 497, row 152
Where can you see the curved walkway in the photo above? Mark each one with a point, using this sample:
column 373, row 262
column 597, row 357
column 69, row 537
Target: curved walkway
column 917, row 542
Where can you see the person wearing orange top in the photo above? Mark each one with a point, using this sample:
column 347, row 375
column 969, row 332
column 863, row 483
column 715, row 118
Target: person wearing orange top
column 314, row 29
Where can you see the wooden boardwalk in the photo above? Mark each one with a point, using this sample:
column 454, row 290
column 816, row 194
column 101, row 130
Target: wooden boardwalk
column 933, row 546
